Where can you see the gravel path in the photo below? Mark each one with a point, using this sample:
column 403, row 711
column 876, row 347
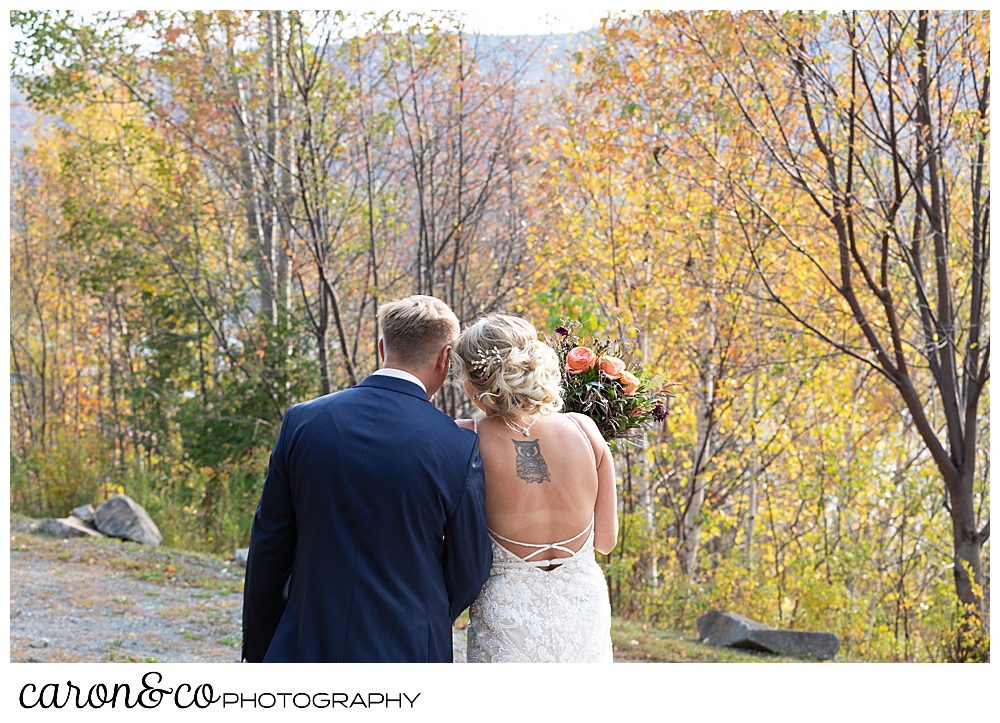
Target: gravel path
column 101, row 600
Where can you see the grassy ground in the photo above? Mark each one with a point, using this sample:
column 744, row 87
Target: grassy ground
column 637, row 642
column 159, row 565
column 641, row 642
column 206, row 577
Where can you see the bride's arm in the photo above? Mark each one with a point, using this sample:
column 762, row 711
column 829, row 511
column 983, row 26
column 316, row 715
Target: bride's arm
column 606, row 506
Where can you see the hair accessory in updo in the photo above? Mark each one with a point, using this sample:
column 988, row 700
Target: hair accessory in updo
column 510, row 369
column 493, row 356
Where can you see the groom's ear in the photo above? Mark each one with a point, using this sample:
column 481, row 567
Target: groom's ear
column 381, row 348
column 444, row 361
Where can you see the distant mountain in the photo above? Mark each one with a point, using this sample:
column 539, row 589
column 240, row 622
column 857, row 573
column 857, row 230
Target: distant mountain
column 550, row 56
column 22, row 116
column 547, row 50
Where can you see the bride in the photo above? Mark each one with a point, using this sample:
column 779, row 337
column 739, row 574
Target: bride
column 550, row 502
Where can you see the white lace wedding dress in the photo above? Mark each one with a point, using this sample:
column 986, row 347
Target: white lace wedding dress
column 525, row 614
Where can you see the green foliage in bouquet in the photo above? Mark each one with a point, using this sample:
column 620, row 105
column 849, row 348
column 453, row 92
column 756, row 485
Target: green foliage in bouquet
column 601, row 379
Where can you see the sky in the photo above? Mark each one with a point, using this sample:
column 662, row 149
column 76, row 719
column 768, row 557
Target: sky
column 505, row 18
column 517, row 18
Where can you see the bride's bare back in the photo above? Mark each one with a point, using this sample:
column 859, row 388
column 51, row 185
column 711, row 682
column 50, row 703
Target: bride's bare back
column 545, row 487
column 550, row 502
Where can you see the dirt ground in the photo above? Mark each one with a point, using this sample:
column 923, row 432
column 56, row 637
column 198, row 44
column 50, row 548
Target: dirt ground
column 102, row 600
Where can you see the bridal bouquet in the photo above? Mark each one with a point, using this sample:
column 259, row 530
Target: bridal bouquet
column 598, row 382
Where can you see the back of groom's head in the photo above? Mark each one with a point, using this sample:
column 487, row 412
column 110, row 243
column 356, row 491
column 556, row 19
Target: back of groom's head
column 416, row 329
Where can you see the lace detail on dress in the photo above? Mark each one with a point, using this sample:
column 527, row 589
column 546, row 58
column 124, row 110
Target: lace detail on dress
column 527, row 615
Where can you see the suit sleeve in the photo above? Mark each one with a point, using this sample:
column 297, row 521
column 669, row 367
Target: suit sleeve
column 467, row 552
column 272, row 551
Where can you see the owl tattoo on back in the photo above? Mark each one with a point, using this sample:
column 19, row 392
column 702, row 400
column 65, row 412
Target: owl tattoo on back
column 531, row 465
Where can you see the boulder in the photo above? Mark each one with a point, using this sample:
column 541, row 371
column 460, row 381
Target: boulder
column 241, row 555
column 67, row 527
column 84, row 513
column 735, row 631
column 727, row 630
column 121, row 516
column 821, row 646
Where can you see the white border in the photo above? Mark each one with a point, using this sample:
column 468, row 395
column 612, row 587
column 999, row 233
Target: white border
column 707, row 692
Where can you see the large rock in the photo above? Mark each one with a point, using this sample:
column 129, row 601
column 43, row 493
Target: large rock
column 121, row 516
column 735, row 631
column 84, row 513
column 821, row 646
column 67, row 527
column 727, row 630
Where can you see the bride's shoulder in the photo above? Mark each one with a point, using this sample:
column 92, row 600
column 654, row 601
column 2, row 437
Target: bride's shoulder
column 589, row 427
column 465, row 423
column 584, row 421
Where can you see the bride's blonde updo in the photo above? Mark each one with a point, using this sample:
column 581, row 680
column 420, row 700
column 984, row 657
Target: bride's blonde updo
column 509, row 368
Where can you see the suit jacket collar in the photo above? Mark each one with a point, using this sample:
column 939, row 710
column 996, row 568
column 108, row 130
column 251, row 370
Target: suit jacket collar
column 394, row 384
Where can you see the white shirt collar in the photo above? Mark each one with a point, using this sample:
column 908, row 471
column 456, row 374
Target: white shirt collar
column 400, row 374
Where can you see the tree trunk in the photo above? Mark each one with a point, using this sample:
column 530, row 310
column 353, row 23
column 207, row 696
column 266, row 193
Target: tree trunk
column 251, row 204
column 647, row 497
column 283, row 181
column 690, row 532
column 967, row 544
column 266, row 257
column 323, row 339
column 690, row 527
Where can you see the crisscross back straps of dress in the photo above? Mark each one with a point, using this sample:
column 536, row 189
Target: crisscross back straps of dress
column 561, row 546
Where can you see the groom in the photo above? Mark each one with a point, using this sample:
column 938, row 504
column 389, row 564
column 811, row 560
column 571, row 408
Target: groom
column 370, row 535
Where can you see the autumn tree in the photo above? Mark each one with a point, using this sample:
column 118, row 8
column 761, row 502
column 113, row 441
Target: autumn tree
column 646, row 254
column 239, row 191
column 878, row 123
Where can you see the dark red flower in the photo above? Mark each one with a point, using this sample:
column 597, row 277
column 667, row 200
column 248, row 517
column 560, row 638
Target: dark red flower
column 659, row 412
column 562, row 331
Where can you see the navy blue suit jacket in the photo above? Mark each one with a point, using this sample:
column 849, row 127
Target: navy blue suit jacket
column 374, row 507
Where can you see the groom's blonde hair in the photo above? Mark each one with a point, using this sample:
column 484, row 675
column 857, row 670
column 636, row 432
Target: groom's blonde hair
column 416, row 328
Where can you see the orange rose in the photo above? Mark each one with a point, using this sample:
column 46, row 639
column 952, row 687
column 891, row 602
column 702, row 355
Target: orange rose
column 580, row 359
column 612, row 367
column 631, row 382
